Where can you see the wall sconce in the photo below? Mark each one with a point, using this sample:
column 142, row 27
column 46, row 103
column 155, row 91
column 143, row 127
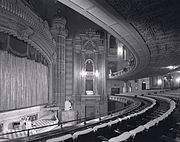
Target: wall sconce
column 171, row 67
column 97, row 73
column 159, row 82
column 120, row 50
column 83, row 73
column 165, row 77
column 178, row 80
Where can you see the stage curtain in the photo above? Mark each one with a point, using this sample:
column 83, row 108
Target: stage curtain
column 23, row 82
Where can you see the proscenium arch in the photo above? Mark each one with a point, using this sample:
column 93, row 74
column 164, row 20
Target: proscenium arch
column 111, row 21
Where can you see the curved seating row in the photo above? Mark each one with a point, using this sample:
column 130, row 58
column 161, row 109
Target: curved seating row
column 129, row 135
column 134, row 104
column 76, row 136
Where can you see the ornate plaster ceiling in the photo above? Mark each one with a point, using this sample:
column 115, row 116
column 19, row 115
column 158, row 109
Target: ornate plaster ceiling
column 149, row 28
column 158, row 23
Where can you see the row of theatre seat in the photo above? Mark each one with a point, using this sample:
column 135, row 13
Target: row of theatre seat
column 150, row 128
column 107, row 130
column 18, row 135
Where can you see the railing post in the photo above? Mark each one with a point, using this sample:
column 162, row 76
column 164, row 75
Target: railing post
column 28, row 132
column 99, row 113
column 111, row 113
column 61, row 125
column 100, row 118
column 85, row 116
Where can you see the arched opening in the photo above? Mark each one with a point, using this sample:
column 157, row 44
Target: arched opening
column 112, row 42
column 89, row 84
column 143, row 85
column 89, row 65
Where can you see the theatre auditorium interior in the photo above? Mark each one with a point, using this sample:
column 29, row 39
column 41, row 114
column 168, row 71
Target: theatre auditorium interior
column 90, row 70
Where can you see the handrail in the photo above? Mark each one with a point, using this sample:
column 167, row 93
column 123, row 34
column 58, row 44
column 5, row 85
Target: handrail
column 109, row 123
column 121, row 72
column 126, row 117
column 111, row 113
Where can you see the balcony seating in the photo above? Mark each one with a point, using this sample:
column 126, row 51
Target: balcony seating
column 126, row 136
column 138, row 133
column 151, row 128
column 102, row 139
column 81, row 136
column 111, row 126
column 65, row 138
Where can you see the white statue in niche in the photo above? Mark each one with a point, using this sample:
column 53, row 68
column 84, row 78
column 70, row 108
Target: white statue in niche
column 68, row 105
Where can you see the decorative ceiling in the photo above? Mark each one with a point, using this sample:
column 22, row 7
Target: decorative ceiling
column 47, row 9
column 158, row 23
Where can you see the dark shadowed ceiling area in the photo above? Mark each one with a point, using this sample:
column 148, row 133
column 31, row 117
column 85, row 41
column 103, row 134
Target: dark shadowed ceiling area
column 158, row 23
column 47, row 9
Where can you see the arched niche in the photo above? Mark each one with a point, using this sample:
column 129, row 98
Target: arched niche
column 89, row 65
column 112, row 42
column 89, row 81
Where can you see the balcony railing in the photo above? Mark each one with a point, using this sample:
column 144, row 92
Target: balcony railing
column 82, row 121
column 125, row 70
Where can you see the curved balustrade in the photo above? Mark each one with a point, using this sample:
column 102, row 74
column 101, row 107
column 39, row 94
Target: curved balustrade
column 124, row 71
column 121, row 99
column 100, row 125
column 28, row 132
column 107, row 125
column 121, row 72
column 133, row 134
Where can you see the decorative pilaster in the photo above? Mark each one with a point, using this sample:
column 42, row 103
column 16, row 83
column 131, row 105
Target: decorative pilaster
column 59, row 33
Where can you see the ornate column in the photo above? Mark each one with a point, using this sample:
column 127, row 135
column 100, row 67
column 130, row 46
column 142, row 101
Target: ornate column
column 59, row 33
column 83, row 78
column 96, row 77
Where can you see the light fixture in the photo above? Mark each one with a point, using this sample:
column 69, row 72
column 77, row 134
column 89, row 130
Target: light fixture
column 97, row 73
column 178, row 80
column 171, row 67
column 83, row 73
column 120, row 50
column 159, row 82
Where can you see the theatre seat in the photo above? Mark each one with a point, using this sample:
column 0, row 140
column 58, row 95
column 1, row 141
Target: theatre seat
column 102, row 139
column 89, row 137
column 84, row 135
column 138, row 133
column 65, row 138
column 103, row 131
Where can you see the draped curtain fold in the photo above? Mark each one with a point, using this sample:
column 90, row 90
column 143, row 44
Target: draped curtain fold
column 23, row 82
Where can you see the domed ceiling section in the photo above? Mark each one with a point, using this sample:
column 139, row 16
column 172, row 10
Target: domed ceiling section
column 158, row 23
